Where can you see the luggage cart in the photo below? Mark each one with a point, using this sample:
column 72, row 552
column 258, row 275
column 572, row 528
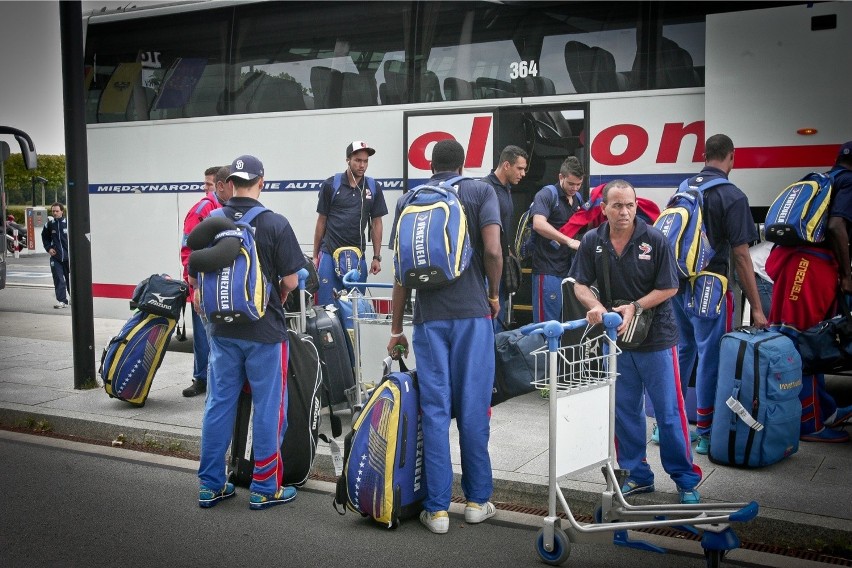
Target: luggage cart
column 370, row 332
column 581, row 382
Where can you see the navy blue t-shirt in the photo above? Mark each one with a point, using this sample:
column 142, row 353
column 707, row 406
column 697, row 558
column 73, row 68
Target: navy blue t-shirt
column 727, row 218
column 467, row 296
column 349, row 212
column 507, row 208
column 647, row 263
column 280, row 255
column 548, row 258
column 841, row 205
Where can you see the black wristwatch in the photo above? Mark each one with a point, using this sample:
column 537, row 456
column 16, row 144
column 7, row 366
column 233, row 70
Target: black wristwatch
column 638, row 306
column 377, row 257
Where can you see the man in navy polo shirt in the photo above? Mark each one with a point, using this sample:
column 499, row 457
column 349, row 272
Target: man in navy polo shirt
column 553, row 250
column 643, row 272
column 510, row 171
column 348, row 202
column 454, row 345
column 730, row 229
column 255, row 351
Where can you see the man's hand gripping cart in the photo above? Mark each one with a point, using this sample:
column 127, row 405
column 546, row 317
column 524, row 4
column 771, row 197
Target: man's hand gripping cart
column 581, row 382
column 367, row 338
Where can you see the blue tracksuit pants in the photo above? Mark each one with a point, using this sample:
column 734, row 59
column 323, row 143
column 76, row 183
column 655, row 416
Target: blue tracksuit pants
column 200, row 348
column 329, row 281
column 656, row 373
column 232, row 361
column 546, row 297
column 455, row 374
column 699, row 339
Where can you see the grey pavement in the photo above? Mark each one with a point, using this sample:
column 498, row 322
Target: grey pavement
column 804, row 500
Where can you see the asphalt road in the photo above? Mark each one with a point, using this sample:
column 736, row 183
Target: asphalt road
column 69, row 504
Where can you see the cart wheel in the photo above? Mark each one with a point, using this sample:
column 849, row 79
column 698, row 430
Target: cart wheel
column 714, row 558
column 561, row 548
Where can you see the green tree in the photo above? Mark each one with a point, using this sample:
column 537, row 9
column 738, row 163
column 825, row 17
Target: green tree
column 19, row 179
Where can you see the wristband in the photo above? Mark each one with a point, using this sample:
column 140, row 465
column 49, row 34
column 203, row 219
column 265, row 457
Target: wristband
column 377, row 257
column 490, row 299
column 395, row 335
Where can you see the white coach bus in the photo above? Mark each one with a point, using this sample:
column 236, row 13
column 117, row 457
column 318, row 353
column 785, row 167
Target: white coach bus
column 631, row 88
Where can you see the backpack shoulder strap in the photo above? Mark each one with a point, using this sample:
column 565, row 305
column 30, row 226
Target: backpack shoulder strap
column 220, row 212
column 453, row 180
column 250, row 215
column 371, row 183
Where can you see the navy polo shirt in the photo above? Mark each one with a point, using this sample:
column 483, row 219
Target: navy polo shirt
column 727, row 218
column 549, row 258
column 841, row 205
column 507, row 208
column 349, row 212
column 647, row 263
column 280, row 255
column 467, row 296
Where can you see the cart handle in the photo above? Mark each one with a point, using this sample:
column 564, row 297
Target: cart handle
column 350, row 280
column 302, row 274
column 554, row 329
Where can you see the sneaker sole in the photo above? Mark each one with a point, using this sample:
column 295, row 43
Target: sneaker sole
column 476, row 521
column 213, row 502
column 639, row 490
column 824, row 440
column 268, row 504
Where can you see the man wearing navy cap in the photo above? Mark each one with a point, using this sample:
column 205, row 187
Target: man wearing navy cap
column 348, row 202
column 253, row 351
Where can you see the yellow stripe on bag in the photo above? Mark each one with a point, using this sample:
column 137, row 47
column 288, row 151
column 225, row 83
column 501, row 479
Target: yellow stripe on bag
column 817, row 216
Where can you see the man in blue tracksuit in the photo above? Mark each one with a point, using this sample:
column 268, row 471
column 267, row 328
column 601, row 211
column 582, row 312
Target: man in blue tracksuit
column 730, row 230
column 554, row 251
column 54, row 237
column 255, row 351
column 454, row 345
column 642, row 272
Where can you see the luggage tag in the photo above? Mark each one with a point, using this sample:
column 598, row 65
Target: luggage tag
column 336, row 456
column 740, row 410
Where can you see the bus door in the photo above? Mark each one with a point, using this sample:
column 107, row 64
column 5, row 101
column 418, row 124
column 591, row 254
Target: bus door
column 548, row 133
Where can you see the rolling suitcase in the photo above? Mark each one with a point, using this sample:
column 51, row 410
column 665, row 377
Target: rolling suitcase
column 131, row 358
column 757, row 412
column 383, row 476
column 330, row 339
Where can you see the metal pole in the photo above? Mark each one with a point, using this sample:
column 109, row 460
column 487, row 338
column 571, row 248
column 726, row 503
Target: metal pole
column 82, row 313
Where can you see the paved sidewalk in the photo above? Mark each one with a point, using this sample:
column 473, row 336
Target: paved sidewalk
column 804, row 500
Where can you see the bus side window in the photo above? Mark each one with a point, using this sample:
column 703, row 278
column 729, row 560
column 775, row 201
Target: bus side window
column 358, row 90
column 456, row 89
column 592, row 69
column 325, row 84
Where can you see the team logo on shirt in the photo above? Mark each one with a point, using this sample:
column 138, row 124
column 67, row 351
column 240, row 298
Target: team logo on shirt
column 645, row 251
column 367, row 193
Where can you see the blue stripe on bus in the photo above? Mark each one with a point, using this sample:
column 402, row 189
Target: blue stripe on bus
column 388, row 184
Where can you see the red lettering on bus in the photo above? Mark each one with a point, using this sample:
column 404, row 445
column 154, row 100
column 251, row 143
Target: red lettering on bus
column 672, row 140
column 637, row 143
column 478, row 137
column 417, row 152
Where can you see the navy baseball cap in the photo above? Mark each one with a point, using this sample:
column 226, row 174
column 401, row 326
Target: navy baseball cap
column 356, row 145
column 246, row 167
column 845, row 151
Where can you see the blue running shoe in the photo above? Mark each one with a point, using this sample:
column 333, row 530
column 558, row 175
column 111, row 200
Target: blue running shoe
column 826, row 435
column 703, row 446
column 689, row 496
column 208, row 498
column 655, row 434
column 258, row 501
column 841, row 417
column 633, row 488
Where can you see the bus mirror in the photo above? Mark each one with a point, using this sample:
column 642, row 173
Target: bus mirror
column 28, row 152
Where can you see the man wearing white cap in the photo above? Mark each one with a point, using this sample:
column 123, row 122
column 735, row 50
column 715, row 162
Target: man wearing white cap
column 348, row 202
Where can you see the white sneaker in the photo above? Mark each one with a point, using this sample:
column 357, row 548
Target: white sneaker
column 478, row 512
column 59, row 305
column 437, row 522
